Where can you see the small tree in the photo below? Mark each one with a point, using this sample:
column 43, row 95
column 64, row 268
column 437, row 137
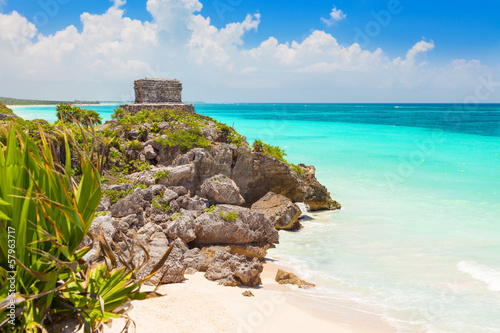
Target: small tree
column 72, row 114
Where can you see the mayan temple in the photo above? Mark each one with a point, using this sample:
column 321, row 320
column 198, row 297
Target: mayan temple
column 154, row 94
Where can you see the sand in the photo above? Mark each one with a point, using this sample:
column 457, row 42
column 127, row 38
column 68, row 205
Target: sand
column 199, row 305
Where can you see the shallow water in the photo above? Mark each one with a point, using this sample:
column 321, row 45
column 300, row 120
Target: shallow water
column 418, row 238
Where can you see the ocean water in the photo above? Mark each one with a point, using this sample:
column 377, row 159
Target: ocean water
column 417, row 242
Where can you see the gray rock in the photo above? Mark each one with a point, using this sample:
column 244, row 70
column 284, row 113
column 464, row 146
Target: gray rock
column 180, row 175
column 149, row 152
column 221, row 189
column 169, row 195
column 132, row 219
column 104, row 205
column 279, row 209
column 108, row 225
column 180, row 190
column 134, row 134
column 149, row 229
column 194, row 203
column 249, row 227
column 183, row 227
column 119, row 187
column 133, row 203
column 234, row 270
column 197, row 259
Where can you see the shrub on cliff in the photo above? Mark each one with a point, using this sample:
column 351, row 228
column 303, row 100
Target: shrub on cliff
column 74, row 114
column 277, row 152
column 5, row 110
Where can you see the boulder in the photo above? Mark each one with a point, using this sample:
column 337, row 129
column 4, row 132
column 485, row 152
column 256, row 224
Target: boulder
column 280, row 210
column 104, row 204
column 248, row 227
column 197, row 259
column 251, row 250
column 149, row 152
column 117, row 187
column 221, row 190
column 317, row 197
column 133, row 134
column 195, row 203
column 184, row 227
column 234, row 270
column 173, row 269
column 283, row 277
column 136, row 202
column 108, row 225
column 180, row 190
column 179, row 175
column 169, row 195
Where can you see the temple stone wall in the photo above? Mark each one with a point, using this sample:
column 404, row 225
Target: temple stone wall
column 157, row 94
column 158, row 91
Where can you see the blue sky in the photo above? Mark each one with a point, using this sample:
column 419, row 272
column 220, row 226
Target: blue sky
column 462, row 29
column 458, row 30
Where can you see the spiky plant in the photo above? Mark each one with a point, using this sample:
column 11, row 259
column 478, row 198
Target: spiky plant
column 44, row 216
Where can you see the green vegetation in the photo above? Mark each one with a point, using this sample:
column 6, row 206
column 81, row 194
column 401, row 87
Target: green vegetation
column 229, row 217
column 159, row 203
column 116, row 195
column 154, row 128
column 186, row 139
column 17, row 101
column 44, row 216
column 209, row 210
column 176, row 216
column 161, row 175
column 75, row 114
column 135, row 145
column 275, row 151
column 5, row 110
column 258, row 146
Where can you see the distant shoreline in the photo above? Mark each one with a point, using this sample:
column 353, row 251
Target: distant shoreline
column 45, row 105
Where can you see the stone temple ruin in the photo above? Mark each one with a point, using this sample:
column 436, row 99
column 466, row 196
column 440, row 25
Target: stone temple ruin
column 157, row 94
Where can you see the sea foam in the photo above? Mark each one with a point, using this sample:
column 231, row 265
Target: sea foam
column 483, row 273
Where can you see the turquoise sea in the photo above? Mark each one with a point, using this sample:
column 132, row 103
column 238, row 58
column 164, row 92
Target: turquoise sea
column 417, row 242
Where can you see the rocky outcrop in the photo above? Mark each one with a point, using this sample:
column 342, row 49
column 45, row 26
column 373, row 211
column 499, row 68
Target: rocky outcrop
column 249, row 227
column 283, row 277
column 136, row 202
column 219, row 206
column 280, row 210
column 221, row 190
column 254, row 173
column 318, row 197
column 234, row 270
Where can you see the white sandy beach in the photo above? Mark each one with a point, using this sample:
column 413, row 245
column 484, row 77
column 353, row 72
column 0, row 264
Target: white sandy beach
column 199, row 305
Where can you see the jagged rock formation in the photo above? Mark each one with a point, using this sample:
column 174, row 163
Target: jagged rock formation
column 199, row 180
column 283, row 277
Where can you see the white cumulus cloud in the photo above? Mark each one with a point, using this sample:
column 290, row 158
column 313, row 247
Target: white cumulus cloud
column 336, row 15
column 101, row 60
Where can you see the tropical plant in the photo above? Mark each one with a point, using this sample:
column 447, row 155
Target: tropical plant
column 72, row 114
column 44, row 216
column 49, row 215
